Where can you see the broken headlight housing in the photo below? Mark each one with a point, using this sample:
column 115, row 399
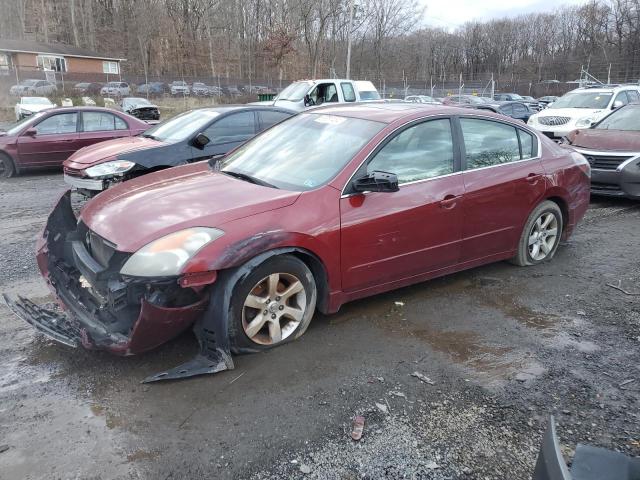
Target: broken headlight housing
column 167, row 255
column 115, row 167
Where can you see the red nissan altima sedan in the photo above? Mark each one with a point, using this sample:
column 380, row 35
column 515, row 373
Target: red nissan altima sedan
column 332, row 205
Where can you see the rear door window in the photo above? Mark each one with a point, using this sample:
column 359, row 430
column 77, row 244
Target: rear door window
column 236, row 127
column 488, row 143
column 269, row 118
column 98, row 121
column 57, row 124
column 349, row 93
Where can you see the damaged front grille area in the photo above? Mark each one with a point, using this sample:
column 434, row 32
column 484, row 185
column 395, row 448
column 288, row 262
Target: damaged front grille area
column 84, row 271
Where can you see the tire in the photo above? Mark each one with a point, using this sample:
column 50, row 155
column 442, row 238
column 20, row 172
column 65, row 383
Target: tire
column 541, row 235
column 7, row 168
column 252, row 328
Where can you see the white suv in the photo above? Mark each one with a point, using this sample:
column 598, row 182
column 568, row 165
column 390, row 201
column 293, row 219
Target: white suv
column 582, row 107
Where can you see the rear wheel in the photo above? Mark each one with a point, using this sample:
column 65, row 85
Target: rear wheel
column 7, row 168
column 541, row 235
column 273, row 304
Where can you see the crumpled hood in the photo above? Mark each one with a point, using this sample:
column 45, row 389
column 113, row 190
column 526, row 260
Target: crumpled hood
column 608, row 140
column 141, row 210
column 118, row 146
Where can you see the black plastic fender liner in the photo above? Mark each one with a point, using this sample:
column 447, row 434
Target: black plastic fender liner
column 550, row 464
column 212, row 329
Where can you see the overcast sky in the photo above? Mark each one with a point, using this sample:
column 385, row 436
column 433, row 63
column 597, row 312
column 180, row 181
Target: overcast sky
column 452, row 13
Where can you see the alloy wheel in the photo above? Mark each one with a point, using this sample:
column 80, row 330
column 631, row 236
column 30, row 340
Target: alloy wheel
column 274, row 308
column 543, row 236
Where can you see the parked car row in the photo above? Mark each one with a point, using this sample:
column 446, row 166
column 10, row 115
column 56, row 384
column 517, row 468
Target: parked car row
column 329, row 205
column 34, row 87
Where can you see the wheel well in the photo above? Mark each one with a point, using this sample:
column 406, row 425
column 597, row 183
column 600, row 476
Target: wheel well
column 563, row 208
column 319, row 274
column 13, row 162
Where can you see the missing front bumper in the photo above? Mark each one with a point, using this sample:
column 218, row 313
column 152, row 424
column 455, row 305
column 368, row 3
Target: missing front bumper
column 103, row 310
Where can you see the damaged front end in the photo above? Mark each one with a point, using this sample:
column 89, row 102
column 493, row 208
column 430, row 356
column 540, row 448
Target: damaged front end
column 108, row 311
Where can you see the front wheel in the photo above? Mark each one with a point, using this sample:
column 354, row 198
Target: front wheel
column 7, row 168
column 541, row 235
column 272, row 305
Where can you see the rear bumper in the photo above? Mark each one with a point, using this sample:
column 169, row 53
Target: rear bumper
column 104, row 310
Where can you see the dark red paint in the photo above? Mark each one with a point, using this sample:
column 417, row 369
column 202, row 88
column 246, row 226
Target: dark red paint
column 366, row 243
column 50, row 150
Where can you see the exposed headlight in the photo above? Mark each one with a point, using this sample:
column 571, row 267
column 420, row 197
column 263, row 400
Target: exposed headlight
column 167, row 255
column 116, row 167
column 585, row 122
column 24, row 110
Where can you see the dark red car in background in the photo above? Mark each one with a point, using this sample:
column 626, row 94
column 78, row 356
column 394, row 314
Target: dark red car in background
column 48, row 138
column 612, row 147
column 331, row 205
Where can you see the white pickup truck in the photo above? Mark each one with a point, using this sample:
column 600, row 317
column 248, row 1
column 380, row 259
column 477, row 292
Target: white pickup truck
column 309, row 93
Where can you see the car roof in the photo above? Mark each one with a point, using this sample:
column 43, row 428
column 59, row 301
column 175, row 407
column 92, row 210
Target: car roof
column 234, row 107
column 385, row 112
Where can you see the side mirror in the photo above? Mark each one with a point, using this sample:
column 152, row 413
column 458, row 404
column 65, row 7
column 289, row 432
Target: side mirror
column 376, row 181
column 617, row 104
column 31, row 132
column 201, row 141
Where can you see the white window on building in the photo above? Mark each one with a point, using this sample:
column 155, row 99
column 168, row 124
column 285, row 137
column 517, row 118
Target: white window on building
column 52, row 63
column 110, row 67
column 4, row 64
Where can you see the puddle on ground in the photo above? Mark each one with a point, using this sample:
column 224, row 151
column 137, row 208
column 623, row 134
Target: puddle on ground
column 480, row 297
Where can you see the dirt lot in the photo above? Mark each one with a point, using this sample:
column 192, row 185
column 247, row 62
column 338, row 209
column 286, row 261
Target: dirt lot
column 504, row 347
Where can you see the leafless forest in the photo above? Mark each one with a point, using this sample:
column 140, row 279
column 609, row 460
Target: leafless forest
column 276, row 40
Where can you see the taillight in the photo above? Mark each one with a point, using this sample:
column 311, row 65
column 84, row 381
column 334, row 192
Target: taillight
column 582, row 163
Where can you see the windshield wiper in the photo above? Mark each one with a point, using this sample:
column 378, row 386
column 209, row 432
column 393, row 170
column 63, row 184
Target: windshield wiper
column 248, row 178
column 148, row 135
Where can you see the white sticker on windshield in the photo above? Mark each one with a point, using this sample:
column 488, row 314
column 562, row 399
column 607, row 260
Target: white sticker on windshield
column 330, row 119
column 309, row 183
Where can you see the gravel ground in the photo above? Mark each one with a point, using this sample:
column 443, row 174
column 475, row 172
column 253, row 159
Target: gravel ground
column 504, row 347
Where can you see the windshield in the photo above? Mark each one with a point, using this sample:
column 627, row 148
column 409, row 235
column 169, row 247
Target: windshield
column 625, row 118
column 181, row 127
column 597, row 100
column 15, row 128
column 369, row 95
column 303, row 152
column 35, row 101
column 295, row 92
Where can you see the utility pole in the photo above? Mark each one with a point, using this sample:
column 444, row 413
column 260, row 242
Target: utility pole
column 351, row 6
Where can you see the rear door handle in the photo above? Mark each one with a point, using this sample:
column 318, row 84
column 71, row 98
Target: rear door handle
column 449, row 201
column 533, row 178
